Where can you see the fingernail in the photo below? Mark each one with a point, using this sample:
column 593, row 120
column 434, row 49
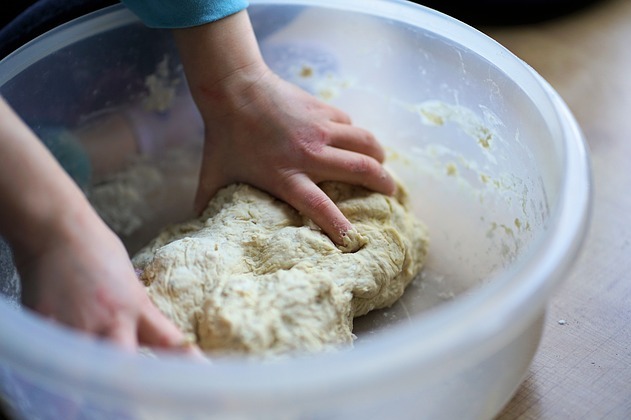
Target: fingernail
column 385, row 175
column 342, row 235
column 352, row 241
column 188, row 346
column 196, row 354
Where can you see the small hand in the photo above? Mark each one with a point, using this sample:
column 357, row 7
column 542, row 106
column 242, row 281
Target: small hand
column 266, row 132
column 285, row 141
column 82, row 277
column 73, row 268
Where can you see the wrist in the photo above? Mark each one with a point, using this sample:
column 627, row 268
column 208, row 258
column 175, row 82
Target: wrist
column 38, row 195
column 230, row 95
column 50, row 220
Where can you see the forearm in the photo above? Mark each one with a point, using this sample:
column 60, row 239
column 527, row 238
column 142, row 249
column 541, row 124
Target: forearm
column 217, row 47
column 39, row 198
column 222, row 61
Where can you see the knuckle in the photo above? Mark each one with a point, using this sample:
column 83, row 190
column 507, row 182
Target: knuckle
column 367, row 137
column 316, row 137
column 318, row 203
column 364, row 165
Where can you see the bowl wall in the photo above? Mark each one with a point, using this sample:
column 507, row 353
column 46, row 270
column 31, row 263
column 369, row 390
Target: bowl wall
column 494, row 163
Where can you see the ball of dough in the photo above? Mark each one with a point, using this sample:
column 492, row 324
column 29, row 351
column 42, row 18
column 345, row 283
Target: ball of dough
column 252, row 276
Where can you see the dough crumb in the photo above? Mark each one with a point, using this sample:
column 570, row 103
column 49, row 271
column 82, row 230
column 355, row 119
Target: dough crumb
column 252, row 277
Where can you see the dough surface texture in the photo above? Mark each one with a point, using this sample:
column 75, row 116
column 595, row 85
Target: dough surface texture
column 251, row 276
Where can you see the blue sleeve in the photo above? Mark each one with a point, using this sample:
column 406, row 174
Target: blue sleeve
column 183, row 13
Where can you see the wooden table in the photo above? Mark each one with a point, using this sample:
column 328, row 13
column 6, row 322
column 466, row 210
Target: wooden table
column 583, row 367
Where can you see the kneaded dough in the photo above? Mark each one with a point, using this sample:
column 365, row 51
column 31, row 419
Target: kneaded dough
column 252, row 276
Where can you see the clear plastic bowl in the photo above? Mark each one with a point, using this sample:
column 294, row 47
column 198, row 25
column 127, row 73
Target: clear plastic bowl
column 494, row 161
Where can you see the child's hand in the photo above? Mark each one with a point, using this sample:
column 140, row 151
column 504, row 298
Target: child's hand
column 285, row 141
column 73, row 268
column 266, row 132
column 81, row 276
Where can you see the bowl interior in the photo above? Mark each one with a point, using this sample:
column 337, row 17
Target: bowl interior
column 467, row 127
column 493, row 162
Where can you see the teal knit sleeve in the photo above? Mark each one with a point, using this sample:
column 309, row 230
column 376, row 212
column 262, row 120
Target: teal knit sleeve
column 183, row 13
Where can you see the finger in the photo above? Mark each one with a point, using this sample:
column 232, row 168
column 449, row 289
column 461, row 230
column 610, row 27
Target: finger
column 156, row 330
column 334, row 164
column 122, row 332
column 306, row 197
column 338, row 116
column 358, row 140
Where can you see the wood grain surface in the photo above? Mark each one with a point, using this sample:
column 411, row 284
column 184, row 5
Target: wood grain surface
column 583, row 366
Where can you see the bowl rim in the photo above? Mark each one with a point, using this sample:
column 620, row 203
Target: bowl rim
column 489, row 310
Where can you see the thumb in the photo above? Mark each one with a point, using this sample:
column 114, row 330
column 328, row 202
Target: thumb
column 156, row 330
